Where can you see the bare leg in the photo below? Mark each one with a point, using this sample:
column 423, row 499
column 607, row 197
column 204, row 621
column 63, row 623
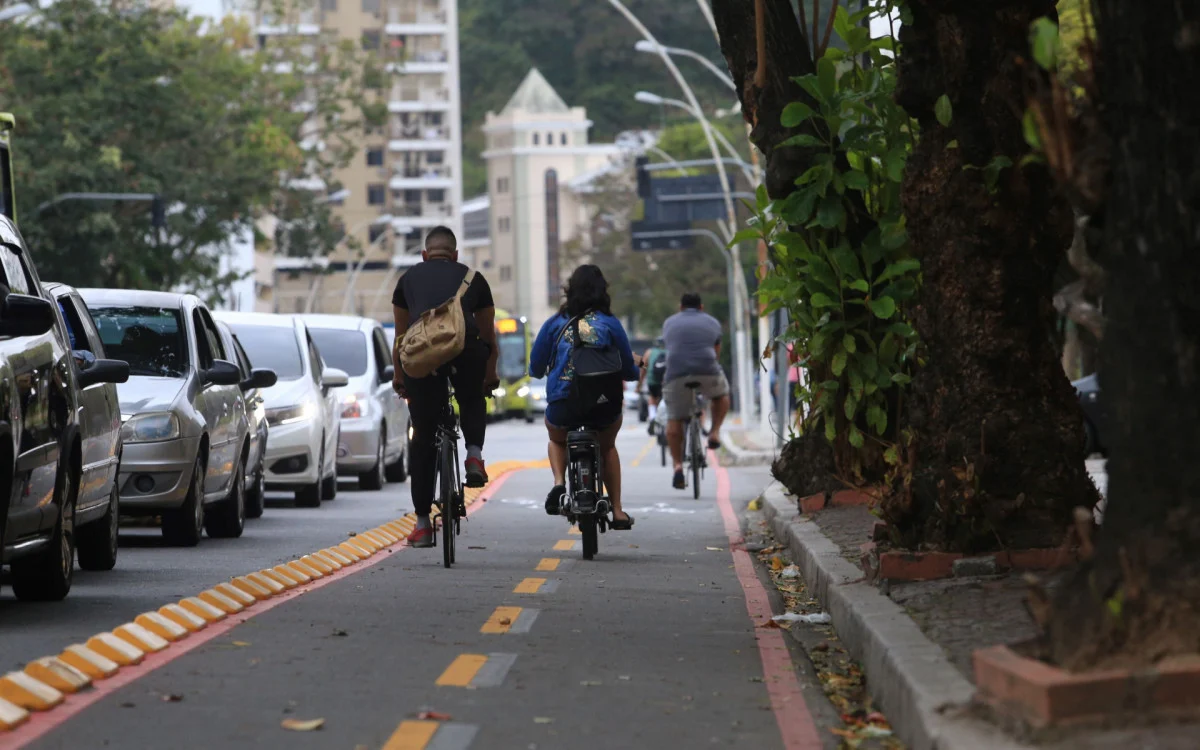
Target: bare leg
column 675, row 441
column 557, row 452
column 720, row 407
column 612, row 465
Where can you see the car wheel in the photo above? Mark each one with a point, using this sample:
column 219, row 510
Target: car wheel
column 227, row 519
column 398, row 472
column 46, row 576
column 374, row 479
column 182, row 526
column 329, row 486
column 310, row 496
column 256, row 495
column 98, row 541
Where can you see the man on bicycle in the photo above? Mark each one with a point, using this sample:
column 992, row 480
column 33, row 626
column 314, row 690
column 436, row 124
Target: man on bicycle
column 473, row 372
column 693, row 342
column 652, row 379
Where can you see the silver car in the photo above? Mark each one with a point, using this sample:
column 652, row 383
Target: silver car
column 374, row 434
column 185, row 430
column 252, row 385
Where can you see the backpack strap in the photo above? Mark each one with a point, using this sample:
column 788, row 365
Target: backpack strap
column 465, row 285
column 559, row 338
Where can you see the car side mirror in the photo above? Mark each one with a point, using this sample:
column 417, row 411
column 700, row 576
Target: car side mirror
column 259, row 378
column 389, row 373
column 334, row 378
column 221, row 373
column 25, row 315
column 93, row 371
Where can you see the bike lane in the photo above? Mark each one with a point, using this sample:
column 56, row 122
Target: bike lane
column 521, row 645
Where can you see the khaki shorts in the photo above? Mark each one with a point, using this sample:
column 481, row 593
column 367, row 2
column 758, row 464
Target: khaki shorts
column 678, row 397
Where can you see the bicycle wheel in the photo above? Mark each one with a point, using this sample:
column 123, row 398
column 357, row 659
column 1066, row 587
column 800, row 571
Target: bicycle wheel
column 591, row 539
column 695, row 456
column 447, row 502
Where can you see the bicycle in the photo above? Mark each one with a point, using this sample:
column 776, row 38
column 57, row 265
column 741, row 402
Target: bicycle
column 694, row 455
column 450, row 499
column 584, row 502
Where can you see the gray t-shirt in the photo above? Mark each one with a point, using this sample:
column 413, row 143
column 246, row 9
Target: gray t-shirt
column 691, row 338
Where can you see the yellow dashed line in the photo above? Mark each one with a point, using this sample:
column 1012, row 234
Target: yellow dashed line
column 642, row 453
column 529, row 586
column 548, row 564
column 574, row 531
column 564, row 545
column 462, row 670
column 411, row 735
column 501, row 620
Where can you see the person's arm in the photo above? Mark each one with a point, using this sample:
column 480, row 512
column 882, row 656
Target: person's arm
column 400, row 316
column 643, row 370
column 539, row 355
column 629, row 363
column 485, row 318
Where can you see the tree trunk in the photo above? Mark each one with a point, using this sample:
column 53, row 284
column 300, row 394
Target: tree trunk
column 1139, row 599
column 997, row 454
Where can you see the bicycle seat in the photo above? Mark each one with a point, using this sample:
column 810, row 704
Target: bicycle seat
column 577, row 437
column 692, row 384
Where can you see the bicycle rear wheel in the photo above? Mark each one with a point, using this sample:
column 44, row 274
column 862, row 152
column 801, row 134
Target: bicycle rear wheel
column 591, row 539
column 447, row 501
column 695, row 456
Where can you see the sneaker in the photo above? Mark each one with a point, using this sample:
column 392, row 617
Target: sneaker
column 422, row 536
column 650, row 428
column 476, row 472
column 554, row 500
column 679, row 482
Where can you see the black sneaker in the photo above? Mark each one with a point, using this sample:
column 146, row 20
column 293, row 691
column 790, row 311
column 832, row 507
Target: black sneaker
column 679, row 482
column 554, row 500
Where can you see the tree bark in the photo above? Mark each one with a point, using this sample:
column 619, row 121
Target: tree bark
column 998, row 436
column 1138, row 601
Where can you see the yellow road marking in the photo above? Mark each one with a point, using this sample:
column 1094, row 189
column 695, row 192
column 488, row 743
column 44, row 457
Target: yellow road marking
column 529, row 586
column 501, row 620
column 564, row 545
column 411, row 735
column 642, row 453
column 549, row 563
column 575, row 531
column 462, row 670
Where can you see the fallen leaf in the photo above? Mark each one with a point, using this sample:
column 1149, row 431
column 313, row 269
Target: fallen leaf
column 715, row 549
column 542, row 720
column 172, row 698
column 340, row 633
column 769, row 624
column 633, row 546
column 434, row 716
column 241, row 644
column 302, row 725
column 506, row 621
column 776, row 562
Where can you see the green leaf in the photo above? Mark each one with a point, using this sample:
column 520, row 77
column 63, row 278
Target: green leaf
column 745, row 235
column 804, row 140
column 850, row 406
column 899, row 268
column 901, row 329
column 856, row 180
column 838, row 364
column 943, row 110
column 1043, row 39
column 761, row 199
column 830, row 213
column 820, row 299
column 830, row 429
column 856, row 437
column 848, row 343
column 952, row 144
column 884, row 307
column 895, row 164
column 795, row 113
column 827, row 79
column 1029, row 128
column 860, row 285
column 892, row 455
column 877, row 418
column 901, row 378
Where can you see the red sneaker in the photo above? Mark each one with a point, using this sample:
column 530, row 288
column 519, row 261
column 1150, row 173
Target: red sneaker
column 476, row 472
column 421, row 537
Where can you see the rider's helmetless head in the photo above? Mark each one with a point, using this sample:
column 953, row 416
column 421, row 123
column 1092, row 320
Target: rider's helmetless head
column 440, row 243
column 690, row 301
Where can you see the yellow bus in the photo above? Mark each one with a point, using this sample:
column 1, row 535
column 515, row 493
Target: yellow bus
column 515, row 342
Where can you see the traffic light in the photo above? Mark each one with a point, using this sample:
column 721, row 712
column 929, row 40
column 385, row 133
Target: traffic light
column 643, row 178
column 158, row 213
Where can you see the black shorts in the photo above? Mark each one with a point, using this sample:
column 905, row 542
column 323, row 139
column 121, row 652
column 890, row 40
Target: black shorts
column 655, row 390
column 565, row 416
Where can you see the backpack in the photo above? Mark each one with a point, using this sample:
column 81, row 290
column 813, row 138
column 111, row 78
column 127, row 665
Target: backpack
column 437, row 337
column 658, row 367
column 596, row 379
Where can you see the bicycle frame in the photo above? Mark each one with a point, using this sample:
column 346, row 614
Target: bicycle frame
column 585, row 500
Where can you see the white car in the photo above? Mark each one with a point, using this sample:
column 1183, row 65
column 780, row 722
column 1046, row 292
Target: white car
column 302, row 409
column 374, row 442
column 537, row 395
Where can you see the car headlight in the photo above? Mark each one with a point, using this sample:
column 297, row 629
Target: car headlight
column 523, row 391
column 539, row 395
column 499, row 393
column 151, row 427
column 354, row 406
column 291, row 414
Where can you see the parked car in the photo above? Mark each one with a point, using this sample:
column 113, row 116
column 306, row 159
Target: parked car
column 302, row 409
column 1094, row 418
column 252, row 385
column 373, row 445
column 185, row 432
column 98, row 412
column 40, row 452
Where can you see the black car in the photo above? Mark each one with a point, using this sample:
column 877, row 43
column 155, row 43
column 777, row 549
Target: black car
column 1093, row 413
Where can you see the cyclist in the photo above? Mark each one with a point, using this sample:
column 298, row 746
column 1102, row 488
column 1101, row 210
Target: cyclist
column 693, row 341
column 473, row 372
column 586, row 302
column 652, row 379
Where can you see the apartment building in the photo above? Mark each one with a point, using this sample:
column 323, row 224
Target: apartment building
column 406, row 177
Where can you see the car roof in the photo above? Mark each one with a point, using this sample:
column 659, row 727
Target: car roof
column 270, row 320
column 57, row 289
column 339, row 322
column 135, row 297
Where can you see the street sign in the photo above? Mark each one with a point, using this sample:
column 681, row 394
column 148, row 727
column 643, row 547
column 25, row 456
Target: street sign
column 661, row 235
column 687, row 199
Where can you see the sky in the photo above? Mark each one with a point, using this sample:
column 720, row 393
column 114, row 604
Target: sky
column 210, row 8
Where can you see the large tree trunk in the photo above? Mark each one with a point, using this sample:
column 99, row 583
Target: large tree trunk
column 997, row 454
column 1139, row 600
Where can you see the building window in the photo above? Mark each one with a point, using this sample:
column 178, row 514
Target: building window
column 549, row 139
column 374, row 157
column 437, row 196
column 376, row 195
column 434, row 118
column 501, row 184
column 535, row 139
column 376, row 231
column 435, row 157
column 503, row 224
column 506, row 273
column 329, row 6
column 562, row 138
column 370, row 39
column 370, row 6
column 412, row 196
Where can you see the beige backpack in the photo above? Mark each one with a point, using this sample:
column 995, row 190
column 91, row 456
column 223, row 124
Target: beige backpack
column 437, row 337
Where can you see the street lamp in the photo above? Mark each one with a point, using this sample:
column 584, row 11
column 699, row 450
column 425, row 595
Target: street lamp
column 646, row 97
column 352, row 282
column 644, row 45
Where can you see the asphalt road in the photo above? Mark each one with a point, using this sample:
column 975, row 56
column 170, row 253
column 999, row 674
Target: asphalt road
column 649, row 645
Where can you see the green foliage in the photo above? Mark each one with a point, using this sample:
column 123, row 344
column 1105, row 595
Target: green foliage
column 843, row 269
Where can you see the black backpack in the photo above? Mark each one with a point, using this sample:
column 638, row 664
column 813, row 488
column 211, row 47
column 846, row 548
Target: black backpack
column 597, row 371
column 658, row 368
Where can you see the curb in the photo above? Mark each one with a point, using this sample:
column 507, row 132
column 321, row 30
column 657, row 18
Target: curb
column 735, row 455
column 910, row 677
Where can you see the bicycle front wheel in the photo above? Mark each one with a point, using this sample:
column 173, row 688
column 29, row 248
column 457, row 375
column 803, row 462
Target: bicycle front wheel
column 696, row 457
column 591, row 539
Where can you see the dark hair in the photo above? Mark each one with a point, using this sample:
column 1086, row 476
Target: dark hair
column 690, row 300
column 442, row 233
column 586, row 291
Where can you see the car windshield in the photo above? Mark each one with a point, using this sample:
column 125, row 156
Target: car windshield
column 150, row 339
column 271, row 347
column 343, row 349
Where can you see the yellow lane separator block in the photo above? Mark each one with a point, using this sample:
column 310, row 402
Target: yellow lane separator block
column 119, row 650
column 272, row 586
column 243, row 598
column 501, row 620
column 138, row 637
column 529, row 586
column 362, row 550
column 28, row 693
column 253, row 588
column 574, row 531
column 564, row 545
column 94, row 665
column 220, row 601
column 184, row 617
column 363, row 540
column 385, row 534
column 462, row 670
column 304, row 570
column 283, row 580
column 338, row 555
column 396, row 527
column 330, row 560
column 412, row 735
column 53, row 671
column 202, row 609
column 12, row 715
column 549, row 563
column 320, row 564
column 289, row 572
column 162, row 626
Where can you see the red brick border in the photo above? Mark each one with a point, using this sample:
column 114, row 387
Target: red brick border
column 839, row 499
column 1042, row 695
column 904, row 565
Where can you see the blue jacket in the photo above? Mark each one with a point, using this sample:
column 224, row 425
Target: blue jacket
column 596, row 329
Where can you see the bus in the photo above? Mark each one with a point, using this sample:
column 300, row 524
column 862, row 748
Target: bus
column 8, row 202
column 515, row 342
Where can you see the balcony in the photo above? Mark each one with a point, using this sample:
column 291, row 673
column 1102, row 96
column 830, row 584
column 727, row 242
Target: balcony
column 423, row 216
column 417, row 138
column 416, row 99
column 431, row 61
column 304, row 23
column 428, row 178
column 413, row 22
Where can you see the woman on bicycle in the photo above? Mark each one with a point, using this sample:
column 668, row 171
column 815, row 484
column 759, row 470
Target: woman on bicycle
column 586, row 303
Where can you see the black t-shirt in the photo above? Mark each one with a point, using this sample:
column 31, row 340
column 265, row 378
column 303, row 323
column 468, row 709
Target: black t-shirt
column 432, row 282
